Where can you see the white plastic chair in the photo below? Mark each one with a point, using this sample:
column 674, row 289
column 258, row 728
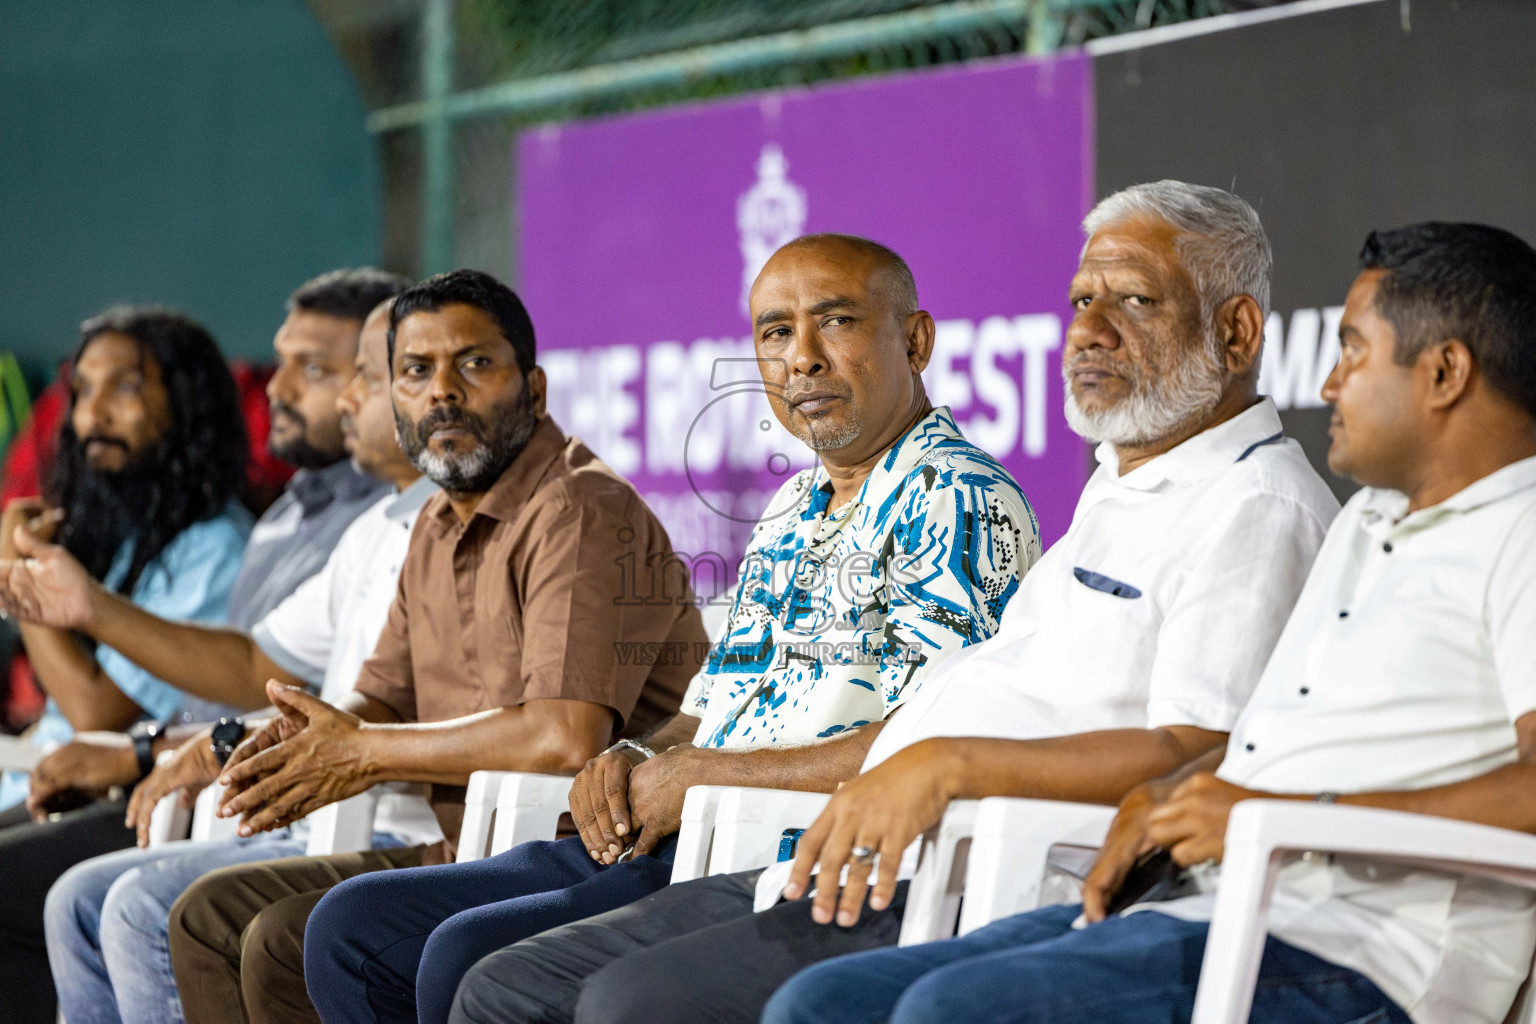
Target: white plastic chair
column 737, row 828
column 18, row 754
column 503, row 809
column 993, row 852
column 343, row 827
column 170, row 821
column 1262, row 833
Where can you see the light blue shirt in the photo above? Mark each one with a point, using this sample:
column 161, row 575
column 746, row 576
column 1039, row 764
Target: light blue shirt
column 189, row 581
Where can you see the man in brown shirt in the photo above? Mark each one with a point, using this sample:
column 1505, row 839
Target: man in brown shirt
column 506, row 648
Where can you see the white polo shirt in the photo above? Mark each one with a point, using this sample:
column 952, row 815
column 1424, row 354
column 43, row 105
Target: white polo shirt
column 1410, row 655
column 1159, row 607
column 327, row 628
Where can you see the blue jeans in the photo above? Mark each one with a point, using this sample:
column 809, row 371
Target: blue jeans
column 1134, row 969
column 105, row 922
column 392, row 945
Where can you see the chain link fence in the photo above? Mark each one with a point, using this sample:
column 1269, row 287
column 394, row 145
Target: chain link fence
column 491, row 67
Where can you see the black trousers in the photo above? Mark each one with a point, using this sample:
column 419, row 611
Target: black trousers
column 32, row 857
column 693, row 952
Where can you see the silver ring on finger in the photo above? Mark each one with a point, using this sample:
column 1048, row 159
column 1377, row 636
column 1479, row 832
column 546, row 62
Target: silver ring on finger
column 862, row 855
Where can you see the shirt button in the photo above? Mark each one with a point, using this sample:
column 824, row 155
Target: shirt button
column 1387, row 547
column 1344, row 613
column 1247, row 746
column 1305, row 691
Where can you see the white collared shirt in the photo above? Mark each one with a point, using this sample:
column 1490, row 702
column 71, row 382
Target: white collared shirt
column 1159, row 607
column 327, row 628
column 1410, row 655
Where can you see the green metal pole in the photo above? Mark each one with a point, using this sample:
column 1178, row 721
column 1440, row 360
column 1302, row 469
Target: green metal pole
column 437, row 137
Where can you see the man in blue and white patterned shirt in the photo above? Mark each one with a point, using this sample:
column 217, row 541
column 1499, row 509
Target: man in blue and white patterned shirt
column 900, row 548
column 838, row 611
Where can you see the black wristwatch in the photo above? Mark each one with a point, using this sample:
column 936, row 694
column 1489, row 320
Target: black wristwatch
column 226, row 736
column 143, row 735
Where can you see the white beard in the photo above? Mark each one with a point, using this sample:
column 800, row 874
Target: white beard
column 1156, row 406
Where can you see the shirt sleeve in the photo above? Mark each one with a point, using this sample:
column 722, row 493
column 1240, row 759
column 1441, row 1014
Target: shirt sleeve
column 300, row 633
column 1511, row 611
column 190, row 581
column 1239, row 591
column 958, row 550
column 583, row 637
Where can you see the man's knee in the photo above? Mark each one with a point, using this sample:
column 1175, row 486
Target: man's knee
column 934, row 999
column 631, row 988
column 133, row 908
column 199, row 919
column 503, row 986
column 345, row 917
column 272, row 946
column 73, row 904
column 816, row 995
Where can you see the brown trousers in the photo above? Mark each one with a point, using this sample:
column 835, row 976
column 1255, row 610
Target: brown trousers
column 237, row 935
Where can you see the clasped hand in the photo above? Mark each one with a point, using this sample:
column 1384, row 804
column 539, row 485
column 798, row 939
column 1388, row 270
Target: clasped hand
column 619, row 795
column 1188, row 819
column 310, row 755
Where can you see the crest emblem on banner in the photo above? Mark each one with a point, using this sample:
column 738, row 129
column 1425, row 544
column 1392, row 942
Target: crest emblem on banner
column 769, row 214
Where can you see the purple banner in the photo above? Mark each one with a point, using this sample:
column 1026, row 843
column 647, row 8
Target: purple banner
column 641, row 234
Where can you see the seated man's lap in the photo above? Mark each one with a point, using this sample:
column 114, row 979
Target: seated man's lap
column 1139, row 967
column 385, row 932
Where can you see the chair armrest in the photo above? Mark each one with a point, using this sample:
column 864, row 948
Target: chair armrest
column 343, row 827
column 1260, row 833
column 1012, row 839
column 934, row 898
column 17, row 754
column 479, row 812
column 529, row 808
column 700, row 806
column 168, row 820
column 205, row 825
column 750, row 823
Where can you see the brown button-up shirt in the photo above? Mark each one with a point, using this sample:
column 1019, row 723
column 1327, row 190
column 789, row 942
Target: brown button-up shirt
column 535, row 598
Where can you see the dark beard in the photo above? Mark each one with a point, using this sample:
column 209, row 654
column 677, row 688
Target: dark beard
column 502, row 435
column 107, row 509
column 299, row 453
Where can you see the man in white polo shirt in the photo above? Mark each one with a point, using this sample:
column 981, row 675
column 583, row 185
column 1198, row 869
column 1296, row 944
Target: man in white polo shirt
column 1132, row 644
column 106, row 918
column 1405, row 679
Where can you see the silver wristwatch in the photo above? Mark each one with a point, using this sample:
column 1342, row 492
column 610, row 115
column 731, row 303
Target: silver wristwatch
column 634, row 745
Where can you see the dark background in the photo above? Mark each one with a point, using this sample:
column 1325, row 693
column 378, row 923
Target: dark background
column 1332, row 124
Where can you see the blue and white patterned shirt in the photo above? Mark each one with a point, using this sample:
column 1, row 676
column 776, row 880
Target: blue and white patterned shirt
column 836, row 614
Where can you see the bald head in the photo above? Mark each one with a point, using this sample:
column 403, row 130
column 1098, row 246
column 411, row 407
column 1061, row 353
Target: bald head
column 841, row 344
column 890, row 276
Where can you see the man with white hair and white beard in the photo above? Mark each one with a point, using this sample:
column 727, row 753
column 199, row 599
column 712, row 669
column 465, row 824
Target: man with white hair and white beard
column 1131, row 646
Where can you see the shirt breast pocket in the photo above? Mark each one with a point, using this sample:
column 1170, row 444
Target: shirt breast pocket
column 1106, row 584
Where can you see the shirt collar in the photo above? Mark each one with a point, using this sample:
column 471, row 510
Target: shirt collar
column 1202, row 456
column 517, row 482
column 934, row 429
column 409, row 501
column 1386, row 509
column 314, row 489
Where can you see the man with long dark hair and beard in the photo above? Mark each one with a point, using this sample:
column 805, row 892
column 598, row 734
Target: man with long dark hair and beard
column 145, row 493
column 316, row 346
